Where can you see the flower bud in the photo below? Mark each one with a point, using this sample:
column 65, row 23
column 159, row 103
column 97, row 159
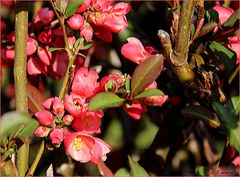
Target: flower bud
column 68, row 119
column 42, row 131
column 45, row 118
column 76, row 22
column 57, row 135
column 58, row 107
column 31, row 46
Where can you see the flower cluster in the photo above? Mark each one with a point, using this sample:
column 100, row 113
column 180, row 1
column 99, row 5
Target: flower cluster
column 71, row 121
column 93, row 17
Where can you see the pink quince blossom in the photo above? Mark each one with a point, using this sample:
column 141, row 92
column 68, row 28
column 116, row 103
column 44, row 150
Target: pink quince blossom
column 154, row 100
column 31, row 46
column 236, row 161
column 100, row 149
column 76, row 22
column 114, row 79
column 84, row 148
column 35, row 66
column 42, row 131
column 57, row 135
column 48, row 103
column 135, row 110
column 46, row 36
column 74, row 104
column 86, row 31
column 44, row 15
column 45, row 118
column 44, row 55
column 134, row 50
column 88, row 122
column 58, row 107
column 85, row 82
column 223, row 12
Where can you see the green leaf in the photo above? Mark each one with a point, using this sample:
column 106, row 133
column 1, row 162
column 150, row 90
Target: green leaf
column 29, row 129
column 136, row 169
column 105, row 100
column 212, row 15
column 234, row 136
column 145, row 73
column 122, row 172
column 149, row 92
column 52, row 49
column 206, row 29
column 202, row 171
column 73, row 7
column 236, row 103
column 230, row 122
column 226, row 116
column 233, row 20
column 199, row 112
column 225, row 55
column 11, row 122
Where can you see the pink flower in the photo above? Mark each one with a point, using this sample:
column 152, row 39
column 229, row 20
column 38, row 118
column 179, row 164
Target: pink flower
column 76, row 22
column 154, row 100
column 35, row 66
column 58, row 107
column 236, row 161
column 78, row 146
column 74, row 104
column 116, row 21
column 86, row 31
column 84, row 6
column 112, row 82
column 31, row 46
column 223, row 12
column 85, row 82
column 42, row 131
column 84, row 148
column 234, row 44
column 48, row 103
column 103, row 33
column 44, row 55
column 88, row 122
column 135, row 110
column 46, row 36
column 57, row 135
column 44, row 15
column 100, row 149
column 45, row 118
column 134, row 50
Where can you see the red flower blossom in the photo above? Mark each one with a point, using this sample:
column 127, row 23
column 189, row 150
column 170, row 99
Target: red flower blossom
column 135, row 110
column 84, row 148
column 134, row 50
column 85, row 83
column 88, row 122
column 44, row 15
column 223, row 12
column 74, row 104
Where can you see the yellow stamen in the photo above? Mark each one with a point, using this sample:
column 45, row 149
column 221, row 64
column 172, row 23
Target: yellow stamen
column 77, row 142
